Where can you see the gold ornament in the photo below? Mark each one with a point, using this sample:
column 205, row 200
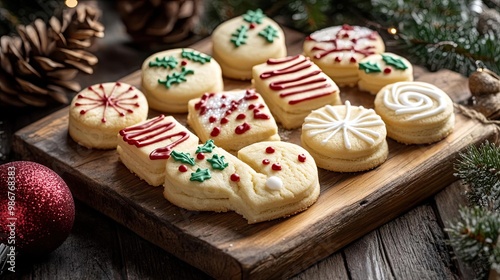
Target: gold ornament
column 484, row 85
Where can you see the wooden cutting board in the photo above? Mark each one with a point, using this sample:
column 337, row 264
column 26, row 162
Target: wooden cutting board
column 223, row 244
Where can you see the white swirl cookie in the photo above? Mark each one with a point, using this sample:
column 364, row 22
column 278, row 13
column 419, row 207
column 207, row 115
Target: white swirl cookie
column 378, row 70
column 345, row 138
column 415, row 112
column 293, row 86
column 233, row 119
column 337, row 50
column 245, row 41
column 173, row 77
column 267, row 180
column 98, row 112
column 144, row 148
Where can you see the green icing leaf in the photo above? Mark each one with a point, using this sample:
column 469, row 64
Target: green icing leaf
column 217, row 162
column 196, row 56
column 207, row 147
column 165, row 62
column 176, row 77
column 254, row 16
column 370, row 67
column 239, row 37
column 269, row 33
column 200, row 175
column 395, row 62
column 182, row 157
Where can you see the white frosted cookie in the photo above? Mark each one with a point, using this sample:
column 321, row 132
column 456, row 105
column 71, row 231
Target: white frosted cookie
column 378, row 70
column 415, row 112
column 173, row 77
column 345, row 138
column 247, row 40
column 267, row 180
column 144, row 148
column 233, row 119
column 337, row 50
column 293, row 86
column 97, row 113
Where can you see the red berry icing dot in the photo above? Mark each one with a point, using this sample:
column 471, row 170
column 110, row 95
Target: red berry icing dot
column 184, row 63
column 387, row 70
column 270, row 150
column 353, row 60
column 338, row 59
column 183, row 168
column 224, row 120
column 235, row 177
column 241, row 117
column 212, row 119
column 200, row 156
column 301, row 158
column 276, row 167
column 265, row 161
column 215, row 132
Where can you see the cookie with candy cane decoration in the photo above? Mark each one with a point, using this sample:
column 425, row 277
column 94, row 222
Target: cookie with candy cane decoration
column 268, row 180
column 415, row 112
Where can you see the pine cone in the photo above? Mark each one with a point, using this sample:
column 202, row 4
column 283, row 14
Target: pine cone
column 489, row 22
column 39, row 66
column 160, row 21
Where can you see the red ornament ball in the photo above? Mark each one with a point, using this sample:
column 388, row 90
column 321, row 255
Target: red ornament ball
column 37, row 210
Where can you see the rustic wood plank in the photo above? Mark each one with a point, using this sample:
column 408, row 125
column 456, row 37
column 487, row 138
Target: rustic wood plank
column 330, row 268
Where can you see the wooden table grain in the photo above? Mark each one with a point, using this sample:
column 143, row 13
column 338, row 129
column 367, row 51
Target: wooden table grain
column 412, row 246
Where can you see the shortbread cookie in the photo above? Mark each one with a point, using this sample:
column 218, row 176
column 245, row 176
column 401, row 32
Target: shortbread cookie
column 144, row 148
column 233, row 119
column 378, row 70
column 345, row 138
column 267, row 180
column 171, row 78
column 245, row 41
column 98, row 112
column 337, row 50
column 415, row 112
column 293, row 86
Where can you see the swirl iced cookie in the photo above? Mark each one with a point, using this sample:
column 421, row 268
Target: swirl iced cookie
column 171, row 78
column 245, row 41
column 415, row 112
column 267, row 180
column 378, row 70
column 145, row 147
column 98, row 112
column 345, row 138
column 293, row 86
column 233, row 119
column 337, row 50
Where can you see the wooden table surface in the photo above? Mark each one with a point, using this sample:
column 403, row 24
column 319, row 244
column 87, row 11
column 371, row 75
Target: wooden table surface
column 412, row 246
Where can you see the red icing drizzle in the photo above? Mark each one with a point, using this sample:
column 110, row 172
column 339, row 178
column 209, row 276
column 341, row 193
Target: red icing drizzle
column 301, row 157
column 310, row 79
column 276, row 167
column 151, row 132
column 183, row 168
column 117, row 102
column 235, row 177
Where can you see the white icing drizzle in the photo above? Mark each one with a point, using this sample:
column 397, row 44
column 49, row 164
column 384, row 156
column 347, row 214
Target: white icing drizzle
column 274, row 183
column 416, row 98
column 332, row 123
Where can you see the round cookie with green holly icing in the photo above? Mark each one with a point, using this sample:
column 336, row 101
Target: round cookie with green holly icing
column 171, row 78
column 245, row 41
column 378, row 70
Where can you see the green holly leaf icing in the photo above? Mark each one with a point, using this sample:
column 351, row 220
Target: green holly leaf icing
column 200, row 175
column 269, row 33
column 217, row 162
column 254, row 16
column 208, row 147
column 395, row 62
column 195, row 56
column 165, row 62
column 182, row 157
column 370, row 67
column 240, row 36
column 176, row 77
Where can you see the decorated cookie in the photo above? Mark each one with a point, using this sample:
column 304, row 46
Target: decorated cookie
column 267, row 180
column 98, row 112
column 293, row 86
column 345, row 138
column 144, row 148
column 415, row 112
column 378, row 70
column 233, row 119
column 171, row 78
column 247, row 40
column 337, row 50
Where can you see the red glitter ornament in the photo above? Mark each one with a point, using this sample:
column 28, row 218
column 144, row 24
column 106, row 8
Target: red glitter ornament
column 37, row 210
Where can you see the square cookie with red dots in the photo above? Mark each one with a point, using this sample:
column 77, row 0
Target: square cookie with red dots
column 233, row 119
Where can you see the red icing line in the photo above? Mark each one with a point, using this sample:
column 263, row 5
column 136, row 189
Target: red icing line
column 272, row 61
column 289, row 69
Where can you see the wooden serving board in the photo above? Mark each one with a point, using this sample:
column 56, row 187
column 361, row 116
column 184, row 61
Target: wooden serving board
column 223, row 244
